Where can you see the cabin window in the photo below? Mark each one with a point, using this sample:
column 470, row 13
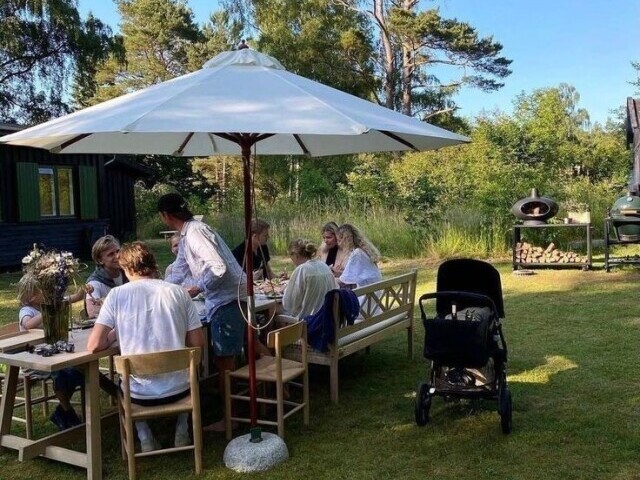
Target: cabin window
column 48, row 192
column 56, row 191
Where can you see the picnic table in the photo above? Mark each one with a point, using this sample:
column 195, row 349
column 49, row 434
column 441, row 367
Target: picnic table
column 54, row 447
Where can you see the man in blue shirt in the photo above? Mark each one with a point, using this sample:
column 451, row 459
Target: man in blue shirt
column 204, row 255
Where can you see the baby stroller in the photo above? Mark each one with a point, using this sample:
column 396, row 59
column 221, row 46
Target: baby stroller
column 464, row 341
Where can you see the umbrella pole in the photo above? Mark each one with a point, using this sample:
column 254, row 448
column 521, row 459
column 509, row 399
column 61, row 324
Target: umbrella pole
column 245, row 145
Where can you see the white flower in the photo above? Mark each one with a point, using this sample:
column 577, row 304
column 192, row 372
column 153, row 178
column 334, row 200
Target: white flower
column 27, row 259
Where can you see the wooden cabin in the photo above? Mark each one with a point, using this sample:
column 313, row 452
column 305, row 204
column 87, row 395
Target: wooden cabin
column 63, row 201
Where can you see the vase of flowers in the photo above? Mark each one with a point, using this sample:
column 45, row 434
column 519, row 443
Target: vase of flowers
column 55, row 320
column 53, row 270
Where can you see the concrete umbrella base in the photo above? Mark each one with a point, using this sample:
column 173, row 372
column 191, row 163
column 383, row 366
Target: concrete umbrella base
column 241, row 455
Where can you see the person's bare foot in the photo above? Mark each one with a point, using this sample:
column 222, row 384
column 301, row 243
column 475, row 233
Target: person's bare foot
column 219, row 426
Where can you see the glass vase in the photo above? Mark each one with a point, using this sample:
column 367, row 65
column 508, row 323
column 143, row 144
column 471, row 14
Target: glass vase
column 55, row 321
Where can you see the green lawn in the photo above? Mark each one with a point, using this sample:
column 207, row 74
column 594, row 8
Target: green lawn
column 573, row 341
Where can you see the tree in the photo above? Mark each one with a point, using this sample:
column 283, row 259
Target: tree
column 321, row 41
column 160, row 42
column 636, row 82
column 417, row 45
column 317, row 39
column 43, row 45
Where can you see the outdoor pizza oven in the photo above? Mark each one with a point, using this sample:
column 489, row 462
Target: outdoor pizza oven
column 625, row 216
column 534, row 210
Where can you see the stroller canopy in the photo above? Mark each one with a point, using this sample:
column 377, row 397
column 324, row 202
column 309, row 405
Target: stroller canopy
column 468, row 275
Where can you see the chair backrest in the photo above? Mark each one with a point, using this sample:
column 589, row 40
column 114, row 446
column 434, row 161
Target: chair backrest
column 157, row 363
column 286, row 335
column 280, row 338
column 9, row 330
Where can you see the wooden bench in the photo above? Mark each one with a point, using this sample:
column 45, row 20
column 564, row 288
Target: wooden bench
column 386, row 307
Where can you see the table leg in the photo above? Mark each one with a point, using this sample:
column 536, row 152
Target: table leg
column 8, row 399
column 92, row 416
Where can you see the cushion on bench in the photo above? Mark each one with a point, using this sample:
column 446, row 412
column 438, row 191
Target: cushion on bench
column 370, row 330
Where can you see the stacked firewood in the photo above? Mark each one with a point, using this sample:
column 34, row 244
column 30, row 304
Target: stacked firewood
column 527, row 253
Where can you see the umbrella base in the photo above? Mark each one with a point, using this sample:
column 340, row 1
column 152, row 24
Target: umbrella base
column 242, row 455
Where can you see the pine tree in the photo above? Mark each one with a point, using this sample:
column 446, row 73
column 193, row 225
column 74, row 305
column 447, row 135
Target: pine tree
column 44, row 45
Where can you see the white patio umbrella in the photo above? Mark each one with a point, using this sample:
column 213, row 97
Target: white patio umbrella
column 239, row 100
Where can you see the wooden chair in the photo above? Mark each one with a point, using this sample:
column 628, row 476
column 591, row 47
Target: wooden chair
column 26, row 384
column 278, row 370
column 154, row 364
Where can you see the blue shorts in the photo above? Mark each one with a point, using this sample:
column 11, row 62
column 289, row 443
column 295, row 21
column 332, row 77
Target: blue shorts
column 67, row 380
column 227, row 330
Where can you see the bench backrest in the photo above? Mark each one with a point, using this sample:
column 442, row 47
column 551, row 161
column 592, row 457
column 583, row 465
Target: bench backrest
column 380, row 301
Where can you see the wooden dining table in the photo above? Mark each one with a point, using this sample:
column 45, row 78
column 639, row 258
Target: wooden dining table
column 54, row 447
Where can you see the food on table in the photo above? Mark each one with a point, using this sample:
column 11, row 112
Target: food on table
column 273, row 288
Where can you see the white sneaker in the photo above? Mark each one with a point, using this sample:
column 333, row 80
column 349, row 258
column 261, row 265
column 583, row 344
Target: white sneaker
column 182, row 440
column 149, row 445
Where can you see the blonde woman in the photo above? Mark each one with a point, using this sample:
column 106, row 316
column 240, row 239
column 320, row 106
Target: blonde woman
column 329, row 247
column 360, row 266
column 309, row 282
column 344, row 251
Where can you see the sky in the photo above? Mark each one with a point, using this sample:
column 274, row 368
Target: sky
column 589, row 44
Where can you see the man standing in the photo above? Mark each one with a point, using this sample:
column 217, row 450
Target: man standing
column 149, row 315
column 203, row 254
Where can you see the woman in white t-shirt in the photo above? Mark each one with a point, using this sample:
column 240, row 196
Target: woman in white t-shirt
column 309, row 282
column 361, row 265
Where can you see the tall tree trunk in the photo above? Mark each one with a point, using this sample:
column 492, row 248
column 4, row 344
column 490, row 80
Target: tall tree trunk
column 388, row 58
column 297, row 187
column 291, row 173
column 223, row 182
column 408, row 66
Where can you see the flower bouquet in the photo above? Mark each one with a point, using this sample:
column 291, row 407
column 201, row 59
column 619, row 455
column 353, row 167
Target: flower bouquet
column 54, row 271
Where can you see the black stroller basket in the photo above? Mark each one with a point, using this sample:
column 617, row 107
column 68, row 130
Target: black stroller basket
column 465, row 338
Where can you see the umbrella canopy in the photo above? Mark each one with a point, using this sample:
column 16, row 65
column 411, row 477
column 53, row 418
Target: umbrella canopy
column 244, row 92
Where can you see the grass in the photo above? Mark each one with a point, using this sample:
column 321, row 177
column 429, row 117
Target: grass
column 573, row 348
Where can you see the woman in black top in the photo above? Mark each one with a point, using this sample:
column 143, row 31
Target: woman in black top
column 261, row 256
column 329, row 248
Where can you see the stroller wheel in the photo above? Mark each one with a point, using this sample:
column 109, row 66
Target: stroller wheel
column 505, row 409
column 422, row 404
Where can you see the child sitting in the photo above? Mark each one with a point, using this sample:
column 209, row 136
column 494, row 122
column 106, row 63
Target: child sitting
column 65, row 381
